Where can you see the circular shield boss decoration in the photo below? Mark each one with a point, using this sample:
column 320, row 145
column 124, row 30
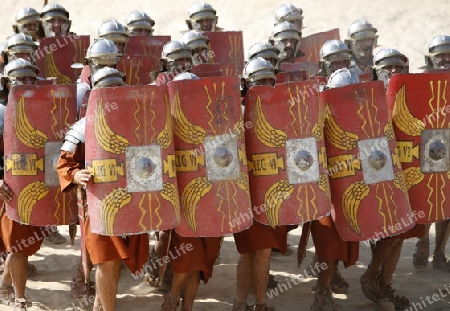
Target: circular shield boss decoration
column 130, row 150
column 286, row 153
column 36, row 121
column 421, row 117
column 210, row 161
column 367, row 185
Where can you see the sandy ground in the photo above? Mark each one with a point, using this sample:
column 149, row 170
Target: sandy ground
column 405, row 25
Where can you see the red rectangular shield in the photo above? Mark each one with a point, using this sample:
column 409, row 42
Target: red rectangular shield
column 227, row 47
column 211, row 165
column 421, row 120
column 367, row 185
column 129, row 149
column 286, row 153
column 36, row 122
column 146, row 45
column 312, row 44
column 56, row 55
column 137, row 68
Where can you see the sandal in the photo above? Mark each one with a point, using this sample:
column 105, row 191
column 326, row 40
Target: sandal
column 420, row 257
column 21, row 304
column 170, row 302
column 400, row 303
column 370, row 288
column 6, row 294
column 97, row 308
column 240, row 306
column 79, row 288
column 440, row 262
column 271, row 283
column 338, row 284
column 323, row 300
column 263, row 307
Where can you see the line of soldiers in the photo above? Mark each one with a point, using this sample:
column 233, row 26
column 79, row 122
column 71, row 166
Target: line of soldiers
column 227, row 175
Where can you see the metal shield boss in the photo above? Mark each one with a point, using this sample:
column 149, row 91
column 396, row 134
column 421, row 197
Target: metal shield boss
column 286, row 153
column 210, row 156
column 420, row 104
column 367, row 184
column 56, row 55
column 130, row 150
column 36, row 122
column 226, row 47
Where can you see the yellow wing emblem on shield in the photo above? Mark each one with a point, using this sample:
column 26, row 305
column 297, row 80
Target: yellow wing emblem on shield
column 26, row 133
column 266, row 133
column 351, row 199
column 184, row 129
column 338, row 137
column 111, row 205
column 50, row 70
column 403, row 118
column 192, row 193
column 28, row 198
column 274, row 197
column 105, row 136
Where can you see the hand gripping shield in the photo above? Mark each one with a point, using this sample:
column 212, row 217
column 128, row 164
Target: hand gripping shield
column 227, row 47
column 36, row 121
column 420, row 104
column 130, row 150
column 367, row 184
column 56, row 55
column 210, row 156
column 286, row 153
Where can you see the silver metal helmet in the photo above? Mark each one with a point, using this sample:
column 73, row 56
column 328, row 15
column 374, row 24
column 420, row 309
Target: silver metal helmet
column 389, row 57
column 26, row 16
column 358, row 39
column 108, row 76
column 114, row 31
column 18, row 68
column 20, row 43
column 361, row 29
column 186, row 76
column 51, row 11
column 290, row 13
column 195, row 40
column 174, row 50
column 387, row 62
column 102, row 52
column 439, row 52
column 285, row 30
column 265, row 50
column 335, row 50
column 201, row 11
column 257, row 69
column 139, row 20
column 342, row 77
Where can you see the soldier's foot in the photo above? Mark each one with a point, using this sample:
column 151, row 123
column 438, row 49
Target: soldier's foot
column 388, row 293
column 6, row 294
column 240, row 306
column 369, row 286
column 338, row 284
column 21, row 304
column 79, row 288
column 440, row 262
column 420, row 257
column 56, row 238
column 264, row 307
column 97, row 308
column 271, row 283
column 323, row 300
column 170, row 302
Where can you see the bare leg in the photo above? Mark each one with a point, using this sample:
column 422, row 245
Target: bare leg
column 190, row 290
column 260, row 269
column 107, row 278
column 323, row 299
column 17, row 266
column 390, row 262
column 442, row 234
column 172, row 298
column 420, row 257
column 243, row 279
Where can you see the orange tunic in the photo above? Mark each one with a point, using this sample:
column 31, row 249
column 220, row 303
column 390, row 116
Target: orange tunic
column 133, row 249
column 329, row 246
column 260, row 236
column 189, row 254
column 20, row 238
